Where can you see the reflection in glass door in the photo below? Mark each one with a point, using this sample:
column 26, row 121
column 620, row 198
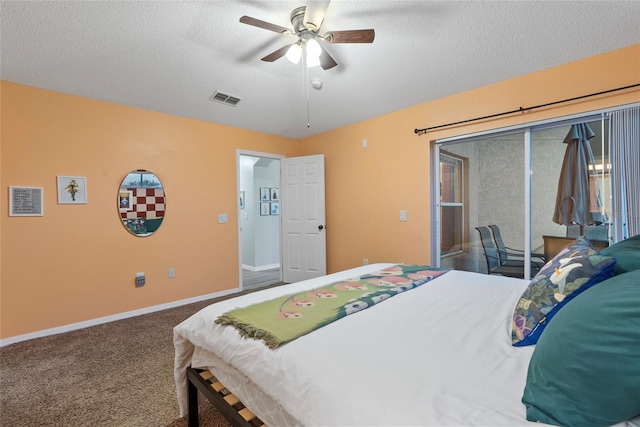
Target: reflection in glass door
column 451, row 204
column 481, row 184
column 548, row 149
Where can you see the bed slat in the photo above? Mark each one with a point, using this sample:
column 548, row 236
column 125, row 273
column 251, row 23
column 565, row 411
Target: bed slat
column 220, row 397
column 247, row 414
column 206, row 375
column 231, row 399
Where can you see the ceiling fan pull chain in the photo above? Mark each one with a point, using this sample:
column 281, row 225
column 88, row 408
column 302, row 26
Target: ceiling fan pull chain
column 305, row 75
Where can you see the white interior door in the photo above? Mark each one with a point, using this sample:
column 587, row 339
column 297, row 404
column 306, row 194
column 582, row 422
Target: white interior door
column 304, row 244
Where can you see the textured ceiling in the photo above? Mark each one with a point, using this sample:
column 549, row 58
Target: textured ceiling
column 171, row 56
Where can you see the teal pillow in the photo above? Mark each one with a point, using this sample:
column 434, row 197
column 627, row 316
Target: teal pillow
column 575, row 269
column 627, row 253
column 585, row 369
column 153, row 224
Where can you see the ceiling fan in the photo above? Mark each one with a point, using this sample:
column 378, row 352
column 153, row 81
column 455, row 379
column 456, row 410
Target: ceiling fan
column 306, row 21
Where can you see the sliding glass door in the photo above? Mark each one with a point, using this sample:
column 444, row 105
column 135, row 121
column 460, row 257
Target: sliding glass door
column 509, row 180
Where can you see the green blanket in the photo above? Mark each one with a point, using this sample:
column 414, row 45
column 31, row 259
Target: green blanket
column 288, row 317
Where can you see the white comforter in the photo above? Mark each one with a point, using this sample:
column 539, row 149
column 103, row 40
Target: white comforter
column 439, row 354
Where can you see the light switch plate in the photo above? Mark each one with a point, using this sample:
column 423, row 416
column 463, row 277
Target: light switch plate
column 403, row 215
column 222, row 218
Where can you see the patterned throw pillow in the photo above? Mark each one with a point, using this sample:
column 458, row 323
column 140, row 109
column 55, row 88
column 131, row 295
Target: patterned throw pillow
column 575, row 269
column 136, row 226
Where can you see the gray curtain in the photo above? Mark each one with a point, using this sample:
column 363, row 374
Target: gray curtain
column 624, row 149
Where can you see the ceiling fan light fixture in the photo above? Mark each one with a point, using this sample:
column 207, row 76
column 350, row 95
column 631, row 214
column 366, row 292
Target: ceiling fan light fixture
column 313, row 48
column 294, row 53
column 312, row 61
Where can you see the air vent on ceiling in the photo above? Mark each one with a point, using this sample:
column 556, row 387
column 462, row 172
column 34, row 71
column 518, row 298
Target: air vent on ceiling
column 225, row 98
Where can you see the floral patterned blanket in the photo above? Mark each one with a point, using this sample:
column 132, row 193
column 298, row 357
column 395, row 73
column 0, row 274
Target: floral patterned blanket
column 288, row 317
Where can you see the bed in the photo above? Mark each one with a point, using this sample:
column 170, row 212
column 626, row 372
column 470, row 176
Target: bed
column 439, row 354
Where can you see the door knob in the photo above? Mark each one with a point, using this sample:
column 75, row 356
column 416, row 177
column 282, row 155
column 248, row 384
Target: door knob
column 320, row 227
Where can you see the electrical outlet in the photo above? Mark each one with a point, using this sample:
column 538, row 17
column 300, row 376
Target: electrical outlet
column 365, row 261
column 172, row 273
column 140, row 279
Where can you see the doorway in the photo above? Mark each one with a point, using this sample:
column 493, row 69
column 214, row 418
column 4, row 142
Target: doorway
column 259, row 219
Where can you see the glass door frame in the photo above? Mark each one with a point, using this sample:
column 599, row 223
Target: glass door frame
column 527, row 129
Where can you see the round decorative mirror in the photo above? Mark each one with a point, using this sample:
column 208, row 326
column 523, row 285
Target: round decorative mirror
column 141, row 202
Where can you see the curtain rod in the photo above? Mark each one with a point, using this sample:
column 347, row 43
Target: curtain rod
column 522, row 109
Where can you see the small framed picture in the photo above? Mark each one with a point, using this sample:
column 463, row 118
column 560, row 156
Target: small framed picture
column 125, row 200
column 265, row 194
column 275, row 208
column 72, row 190
column 275, row 194
column 264, row 208
column 26, row 201
column 242, row 200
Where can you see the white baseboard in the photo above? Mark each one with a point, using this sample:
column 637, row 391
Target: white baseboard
column 260, row 267
column 113, row 318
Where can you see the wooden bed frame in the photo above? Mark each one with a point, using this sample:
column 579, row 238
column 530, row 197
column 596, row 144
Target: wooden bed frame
column 220, row 397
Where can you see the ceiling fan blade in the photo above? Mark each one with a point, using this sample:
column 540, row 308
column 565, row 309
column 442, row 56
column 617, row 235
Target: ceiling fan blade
column 314, row 13
column 277, row 54
column 326, row 61
column 266, row 25
column 351, row 36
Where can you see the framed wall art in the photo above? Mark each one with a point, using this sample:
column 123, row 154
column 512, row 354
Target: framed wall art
column 265, row 208
column 275, row 208
column 242, row 200
column 125, row 200
column 26, row 201
column 265, row 194
column 275, row 194
column 72, row 190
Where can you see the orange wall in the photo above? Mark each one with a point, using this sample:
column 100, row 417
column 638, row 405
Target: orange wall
column 78, row 263
column 367, row 187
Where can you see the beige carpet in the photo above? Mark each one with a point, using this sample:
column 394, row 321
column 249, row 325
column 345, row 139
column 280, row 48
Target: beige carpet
column 116, row 374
